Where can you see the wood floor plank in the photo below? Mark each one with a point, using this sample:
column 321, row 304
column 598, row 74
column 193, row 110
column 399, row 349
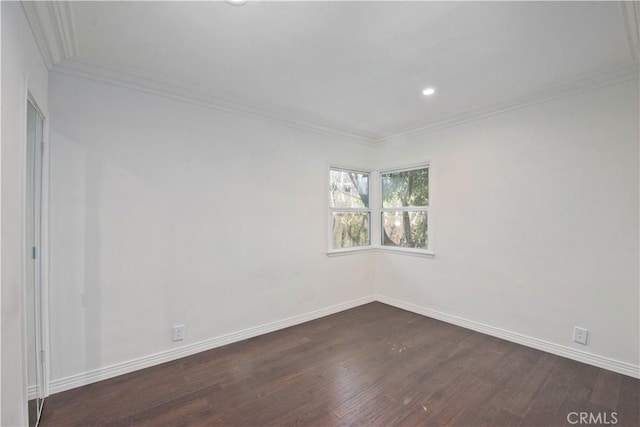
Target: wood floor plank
column 546, row 407
column 503, row 418
column 606, row 389
column 522, row 400
column 564, row 371
column 450, row 402
column 373, row 365
column 627, row 408
column 582, row 385
column 628, row 414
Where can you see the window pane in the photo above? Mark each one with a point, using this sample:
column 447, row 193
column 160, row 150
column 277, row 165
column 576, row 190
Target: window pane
column 350, row 229
column 348, row 189
column 408, row 188
column 404, row 229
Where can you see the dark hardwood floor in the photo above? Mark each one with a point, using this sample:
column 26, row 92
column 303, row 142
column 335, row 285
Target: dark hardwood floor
column 373, row 365
column 33, row 412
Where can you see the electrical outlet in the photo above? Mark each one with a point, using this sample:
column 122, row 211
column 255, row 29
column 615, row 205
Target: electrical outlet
column 580, row 335
column 178, row 332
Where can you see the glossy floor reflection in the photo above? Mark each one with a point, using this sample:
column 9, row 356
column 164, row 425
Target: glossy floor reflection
column 373, row 365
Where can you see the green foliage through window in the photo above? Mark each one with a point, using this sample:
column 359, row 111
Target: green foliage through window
column 403, row 189
column 350, row 229
column 349, row 206
column 405, row 202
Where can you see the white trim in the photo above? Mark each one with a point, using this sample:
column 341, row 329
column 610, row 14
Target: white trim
column 95, row 70
column 357, row 210
column 31, row 392
column 406, row 209
column 426, row 252
column 1, row 203
column 100, row 374
column 103, row 72
column 368, row 210
column 364, row 171
column 382, row 249
column 23, row 247
column 107, row 372
column 407, row 251
column 375, row 223
column 576, row 85
column 31, row 13
column 44, row 255
column 350, row 251
column 41, row 317
column 559, row 350
column 406, row 168
column 64, row 28
column 53, row 29
column 375, row 198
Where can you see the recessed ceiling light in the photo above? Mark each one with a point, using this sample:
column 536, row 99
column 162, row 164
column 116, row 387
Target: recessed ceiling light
column 237, row 2
column 428, row 91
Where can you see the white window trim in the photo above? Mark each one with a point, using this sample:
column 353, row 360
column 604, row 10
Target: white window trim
column 350, row 251
column 428, row 252
column 355, row 249
column 375, row 221
column 407, row 251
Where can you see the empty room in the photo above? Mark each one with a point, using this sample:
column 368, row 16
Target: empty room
column 319, row 213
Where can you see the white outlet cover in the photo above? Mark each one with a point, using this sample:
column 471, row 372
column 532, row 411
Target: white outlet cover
column 178, row 332
column 580, row 335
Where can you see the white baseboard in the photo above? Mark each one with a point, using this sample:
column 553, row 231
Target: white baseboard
column 31, row 392
column 107, row 372
column 549, row 347
column 100, row 374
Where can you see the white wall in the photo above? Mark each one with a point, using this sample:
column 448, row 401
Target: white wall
column 22, row 70
column 0, row 222
column 168, row 213
column 164, row 212
column 535, row 222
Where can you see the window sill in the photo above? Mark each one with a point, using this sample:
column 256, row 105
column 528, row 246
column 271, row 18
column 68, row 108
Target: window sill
column 350, row 251
column 406, row 251
column 391, row 250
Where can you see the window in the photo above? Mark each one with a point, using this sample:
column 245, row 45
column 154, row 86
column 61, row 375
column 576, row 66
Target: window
column 405, row 208
column 349, row 210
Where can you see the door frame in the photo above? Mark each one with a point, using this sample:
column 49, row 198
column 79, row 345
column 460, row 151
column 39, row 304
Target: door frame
column 44, row 245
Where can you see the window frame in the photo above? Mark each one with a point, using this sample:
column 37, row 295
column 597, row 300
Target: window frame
column 426, row 252
column 331, row 210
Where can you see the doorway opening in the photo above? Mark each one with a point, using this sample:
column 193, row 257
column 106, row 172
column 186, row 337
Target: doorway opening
column 33, row 228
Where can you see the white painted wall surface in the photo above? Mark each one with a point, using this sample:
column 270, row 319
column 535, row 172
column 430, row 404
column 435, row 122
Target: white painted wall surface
column 0, row 220
column 535, row 222
column 22, row 70
column 166, row 213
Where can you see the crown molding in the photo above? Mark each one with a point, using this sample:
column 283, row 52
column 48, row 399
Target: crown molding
column 52, row 24
column 53, row 29
column 95, row 70
column 64, row 27
column 631, row 17
column 142, row 82
column 33, row 17
column 580, row 84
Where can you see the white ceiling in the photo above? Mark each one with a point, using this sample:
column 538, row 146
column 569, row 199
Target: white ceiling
column 354, row 67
